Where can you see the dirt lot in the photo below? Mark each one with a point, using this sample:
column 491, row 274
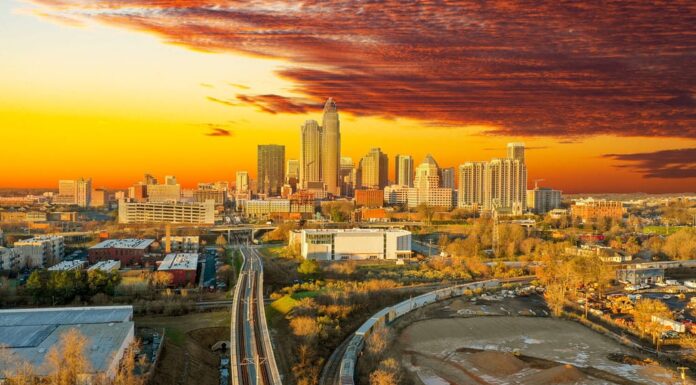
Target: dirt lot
column 479, row 350
column 186, row 357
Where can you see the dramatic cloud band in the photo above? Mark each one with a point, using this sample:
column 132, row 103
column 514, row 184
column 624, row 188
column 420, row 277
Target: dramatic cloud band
column 544, row 68
column 680, row 163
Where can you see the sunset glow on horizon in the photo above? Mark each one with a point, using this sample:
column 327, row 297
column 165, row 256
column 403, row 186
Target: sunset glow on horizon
column 115, row 89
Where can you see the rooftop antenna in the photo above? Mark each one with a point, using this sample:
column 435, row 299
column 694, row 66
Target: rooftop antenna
column 536, row 183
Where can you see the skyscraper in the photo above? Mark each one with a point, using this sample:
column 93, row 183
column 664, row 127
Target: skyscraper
column 271, row 168
column 330, row 148
column 310, row 153
column 374, row 168
column 447, row 180
column 403, row 168
column 74, row 192
column 242, row 182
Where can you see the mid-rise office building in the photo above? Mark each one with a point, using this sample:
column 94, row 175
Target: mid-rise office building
column 403, row 170
column 374, row 169
column 292, row 173
column 167, row 212
column 204, row 194
column 541, row 200
column 271, row 168
column 266, row 208
column 338, row 244
column 99, row 198
column 40, row 251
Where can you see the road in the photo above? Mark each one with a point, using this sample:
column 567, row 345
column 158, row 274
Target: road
column 252, row 354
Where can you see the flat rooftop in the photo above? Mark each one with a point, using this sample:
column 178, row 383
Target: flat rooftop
column 354, row 231
column 179, row 261
column 67, row 265
column 128, row 243
column 29, row 334
column 105, row 265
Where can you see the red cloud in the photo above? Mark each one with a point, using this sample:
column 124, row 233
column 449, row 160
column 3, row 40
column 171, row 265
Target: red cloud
column 544, row 68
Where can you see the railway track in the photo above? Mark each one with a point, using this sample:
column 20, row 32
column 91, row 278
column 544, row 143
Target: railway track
column 254, row 360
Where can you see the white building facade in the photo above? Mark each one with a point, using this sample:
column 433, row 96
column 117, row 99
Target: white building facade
column 354, row 244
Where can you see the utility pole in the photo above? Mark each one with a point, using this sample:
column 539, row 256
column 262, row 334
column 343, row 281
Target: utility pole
column 496, row 235
column 682, row 373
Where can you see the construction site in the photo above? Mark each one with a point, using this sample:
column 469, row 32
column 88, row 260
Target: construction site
column 499, row 339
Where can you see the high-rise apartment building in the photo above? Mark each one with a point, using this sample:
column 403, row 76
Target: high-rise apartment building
column 331, row 147
column 541, row 200
column 271, row 168
column 374, row 169
column 403, row 169
column 506, row 185
column 447, row 180
column 310, row 153
column 242, row 182
column 472, row 176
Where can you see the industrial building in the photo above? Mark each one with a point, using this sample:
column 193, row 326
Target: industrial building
column 29, row 334
column 337, row 244
column 127, row 251
column 639, row 276
column 182, row 267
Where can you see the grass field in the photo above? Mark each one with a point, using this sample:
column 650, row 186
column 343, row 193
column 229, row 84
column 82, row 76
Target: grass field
column 661, row 230
column 177, row 327
column 271, row 251
column 282, row 306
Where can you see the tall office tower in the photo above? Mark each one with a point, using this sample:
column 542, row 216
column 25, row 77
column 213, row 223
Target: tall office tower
column 374, row 169
column 471, row 184
column 506, row 185
column 347, row 176
column 271, row 168
column 447, row 180
column 330, row 147
column 242, row 182
column 149, row 179
column 515, row 151
column 310, row 153
column 170, row 180
column 403, row 168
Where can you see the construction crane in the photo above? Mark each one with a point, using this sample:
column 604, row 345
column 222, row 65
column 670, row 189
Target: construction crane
column 536, row 183
column 495, row 239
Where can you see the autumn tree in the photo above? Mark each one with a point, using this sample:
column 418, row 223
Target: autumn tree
column 308, row 267
column 67, row 361
column 426, row 212
column 643, row 312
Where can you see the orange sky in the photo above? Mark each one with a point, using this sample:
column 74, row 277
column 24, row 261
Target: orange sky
column 83, row 96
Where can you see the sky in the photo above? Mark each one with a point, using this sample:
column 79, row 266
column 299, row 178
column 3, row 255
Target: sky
column 602, row 94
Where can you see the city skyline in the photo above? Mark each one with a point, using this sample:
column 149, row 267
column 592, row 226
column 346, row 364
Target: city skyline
column 212, row 101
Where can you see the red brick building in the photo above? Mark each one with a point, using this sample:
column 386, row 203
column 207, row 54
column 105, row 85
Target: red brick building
column 128, row 251
column 182, row 267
